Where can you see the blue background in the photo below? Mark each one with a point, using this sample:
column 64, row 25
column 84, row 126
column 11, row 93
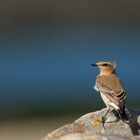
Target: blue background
column 46, row 49
column 42, row 76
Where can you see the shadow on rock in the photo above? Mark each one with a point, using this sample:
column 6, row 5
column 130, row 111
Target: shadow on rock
column 133, row 123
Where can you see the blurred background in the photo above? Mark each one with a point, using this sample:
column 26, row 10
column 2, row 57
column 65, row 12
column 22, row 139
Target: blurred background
column 46, row 48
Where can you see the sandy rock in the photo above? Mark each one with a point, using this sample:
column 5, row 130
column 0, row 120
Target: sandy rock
column 90, row 127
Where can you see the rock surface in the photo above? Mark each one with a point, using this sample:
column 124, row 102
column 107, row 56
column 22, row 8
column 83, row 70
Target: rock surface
column 90, row 127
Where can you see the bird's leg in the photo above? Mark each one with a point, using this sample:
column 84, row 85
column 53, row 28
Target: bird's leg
column 104, row 117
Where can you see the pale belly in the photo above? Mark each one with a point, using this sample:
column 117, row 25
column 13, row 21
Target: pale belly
column 108, row 103
column 105, row 99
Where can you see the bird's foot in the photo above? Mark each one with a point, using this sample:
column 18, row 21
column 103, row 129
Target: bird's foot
column 109, row 119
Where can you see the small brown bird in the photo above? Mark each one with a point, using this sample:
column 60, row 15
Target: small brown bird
column 111, row 88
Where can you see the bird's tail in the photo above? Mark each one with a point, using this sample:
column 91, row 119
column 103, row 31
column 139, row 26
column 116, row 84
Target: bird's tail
column 123, row 113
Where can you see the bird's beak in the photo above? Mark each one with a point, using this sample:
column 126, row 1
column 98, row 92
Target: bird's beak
column 95, row 65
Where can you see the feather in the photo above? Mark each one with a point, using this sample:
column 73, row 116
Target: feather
column 111, row 86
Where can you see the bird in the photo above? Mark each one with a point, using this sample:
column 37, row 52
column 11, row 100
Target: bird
column 111, row 89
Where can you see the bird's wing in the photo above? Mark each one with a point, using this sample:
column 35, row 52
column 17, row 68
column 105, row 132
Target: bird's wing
column 112, row 87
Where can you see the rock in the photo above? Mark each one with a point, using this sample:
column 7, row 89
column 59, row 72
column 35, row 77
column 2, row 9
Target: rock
column 90, row 127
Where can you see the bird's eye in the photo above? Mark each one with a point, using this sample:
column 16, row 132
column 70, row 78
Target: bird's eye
column 105, row 64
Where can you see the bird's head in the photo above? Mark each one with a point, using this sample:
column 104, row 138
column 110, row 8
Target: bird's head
column 105, row 67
